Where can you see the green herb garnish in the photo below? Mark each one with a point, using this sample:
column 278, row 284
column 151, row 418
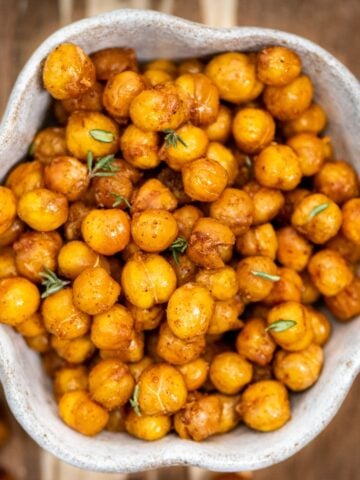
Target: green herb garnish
column 103, row 168
column 317, row 210
column 51, row 282
column 280, row 325
column 172, row 138
column 248, row 161
column 103, row 136
column 134, row 401
column 31, row 150
column 266, row 276
column 119, row 199
column 177, row 247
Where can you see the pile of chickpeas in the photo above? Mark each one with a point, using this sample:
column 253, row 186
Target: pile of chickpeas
column 164, row 247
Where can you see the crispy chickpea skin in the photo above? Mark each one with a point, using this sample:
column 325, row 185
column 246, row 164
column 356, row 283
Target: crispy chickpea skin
column 26, row 177
column 48, row 144
column 225, row 157
column 75, row 256
column 76, row 350
column 319, row 226
column 346, row 248
column 346, row 304
column 90, row 100
column 7, row 263
column 19, row 299
column 329, row 272
column 69, row 379
column 310, row 151
column 313, row 120
column 12, row 233
column 140, row 148
column 162, row 390
column 189, row 311
column 277, row 66
column 68, row 176
column 110, row 61
column 147, row 427
column 211, row 243
column 186, row 217
column 153, row 194
column 226, row 316
column 222, row 283
column 154, row 230
column 294, row 251
column 159, row 108
column 253, row 129
column 176, row 351
column 7, row 208
column 320, row 325
column 106, row 231
column 134, row 352
column 287, row 289
column 113, row 328
column 255, row 343
column 351, row 224
column 220, row 129
column 290, row 101
column 146, row 318
column 267, row 202
column 204, row 179
column 195, row 373
column 147, row 280
column 95, row 291
column 253, row 287
column 196, row 142
column 299, row 370
column 111, row 383
column 265, row 406
column 259, row 240
column 235, row 209
column 230, row 372
column 82, row 414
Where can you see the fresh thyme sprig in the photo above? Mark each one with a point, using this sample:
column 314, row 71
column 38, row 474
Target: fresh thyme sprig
column 280, row 325
column 266, row 276
column 172, row 138
column 103, row 136
column 103, row 168
column 119, row 199
column 177, row 247
column 134, row 401
column 315, row 211
column 51, row 282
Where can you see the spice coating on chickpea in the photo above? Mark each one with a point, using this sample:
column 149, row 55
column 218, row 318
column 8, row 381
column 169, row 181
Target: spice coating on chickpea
column 346, row 304
column 204, row 180
column 19, row 299
column 255, row 343
column 68, row 176
column 256, row 277
column 154, row 230
column 48, row 144
column 147, row 427
column 110, row 61
column 230, row 372
column 277, row 66
column 26, row 177
column 267, row 202
column 253, row 129
column 313, row 120
column 176, row 351
column 112, row 329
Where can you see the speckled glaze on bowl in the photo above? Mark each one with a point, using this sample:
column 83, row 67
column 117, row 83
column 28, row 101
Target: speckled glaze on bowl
column 27, row 389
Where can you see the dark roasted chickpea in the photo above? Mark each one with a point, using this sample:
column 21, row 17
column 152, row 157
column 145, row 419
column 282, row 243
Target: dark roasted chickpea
column 253, row 129
column 351, row 224
column 176, row 351
column 193, row 145
column 287, row 289
column 195, row 373
column 146, row 318
column 294, row 251
column 312, row 120
column 233, row 208
column 90, row 100
column 7, row 208
column 260, row 240
column 33, row 326
column 320, row 325
column 211, row 243
column 256, row 277
column 76, row 350
column 222, row 283
column 290, row 101
column 26, row 177
column 60, row 113
column 265, row 406
column 204, row 179
column 226, row 316
column 267, row 202
column 329, row 272
column 346, row 248
column 310, row 294
column 317, row 217
column 69, row 379
column 12, row 233
column 186, row 217
column 147, row 427
column 72, row 226
column 140, row 148
column 220, row 129
column 68, row 176
column 277, row 66
column 111, row 61
column 132, row 353
column 154, row 230
column 49, row 143
column 153, row 194
column 19, row 299
column 7, row 263
column 185, row 270
column 255, row 343
column 346, row 304
column 224, row 156
column 230, row 372
column 112, row 329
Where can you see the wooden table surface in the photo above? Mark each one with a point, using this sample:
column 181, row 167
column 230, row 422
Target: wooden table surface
column 335, row 25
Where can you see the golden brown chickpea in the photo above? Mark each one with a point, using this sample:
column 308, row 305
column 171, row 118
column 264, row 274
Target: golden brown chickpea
column 19, row 299
column 260, row 240
column 265, row 406
column 40, row 343
column 235, row 77
column 190, row 65
column 69, row 379
column 233, row 208
column 156, row 77
column 278, row 166
column 112, row 329
column 12, row 233
column 256, row 277
column 346, row 304
column 148, row 280
column 230, row 372
column 60, row 114
column 153, row 194
column 43, row 210
column 68, row 176
column 132, row 353
column 317, row 217
column 347, row 249
column 226, row 316
column 255, row 343
column 278, row 66
column 220, row 129
column 192, row 145
column 79, row 412
column 229, row 418
column 351, row 224
column 310, row 151
column 173, row 181
column 111, row 383
column 75, row 351
column 162, row 390
column 201, row 95
column 195, row 373
column 200, row 418
column 224, row 156
column 137, row 368
column 146, row 318
column 75, row 256
column 106, row 231
column 204, row 179
column 91, row 131
column 110, row 61
column 185, row 270
column 287, row 289
column 163, row 64
column 222, row 283
column 48, row 144
column 267, row 202
column 95, row 291
column 116, row 422
column 147, row 427
column 26, row 177
column 253, row 129
column 176, row 351
column 52, row 362
column 7, row 208
column 140, row 148
column 153, row 230
column 312, row 120
column 7, row 263
column 290, row 101
column 90, row 100
column 72, row 226
column 120, row 91
column 31, row 327
column 186, row 217
column 300, row 334
column 68, row 72
column 329, row 272
column 210, row 244
column 320, row 325
column 159, row 108
column 294, row 251
column 310, row 293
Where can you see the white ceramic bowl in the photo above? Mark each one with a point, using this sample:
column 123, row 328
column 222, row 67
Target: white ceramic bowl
column 28, row 390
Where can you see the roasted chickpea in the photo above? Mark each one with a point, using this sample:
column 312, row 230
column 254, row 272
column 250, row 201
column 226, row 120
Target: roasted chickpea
column 90, row 100
column 159, row 108
column 163, row 64
column 112, row 329
column 79, row 412
column 147, row 427
column 153, row 194
column 12, row 233
column 224, row 156
column 110, row 61
column 162, row 390
column 229, row 418
column 290, row 101
column 204, row 179
column 48, row 144
column 294, row 251
column 346, row 248
column 195, row 373
column 134, row 352
column 310, row 151
column 312, row 120
column 39, row 343
column 137, row 368
column 260, row 240
column 230, row 372
column 191, row 143
column 267, row 202
column 111, row 383
column 68, row 176
column 26, row 177
column 106, row 231
column 7, row 208
column 320, row 325
column 210, row 244
column 140, row 148
column 287, row 289
column 226, row 316
column 177, row 351
column 19, row 299
column 69, row 379
column 76, row 350
column 329, row 272
column 7, row 263
column 31, row 327
column 256, row 277
column 72, row 226
column 68, row 72
column 300, row 334
column 317, row 217
column 222, row 283
column 186, row 217
column 253, row 129
column 351, row 225
column 146, row 318
column 233, row 208
column 265, row 406
column 310, row 293
column 116, row 422
column 147, row 280
column 185, row 270
column 220, row 129
column 156, row 77
column 75, row 256
column 255, row 343
column 154, row 230
column 52, row 362
column 346, row 304
column 190, row 65
column 277, row 66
